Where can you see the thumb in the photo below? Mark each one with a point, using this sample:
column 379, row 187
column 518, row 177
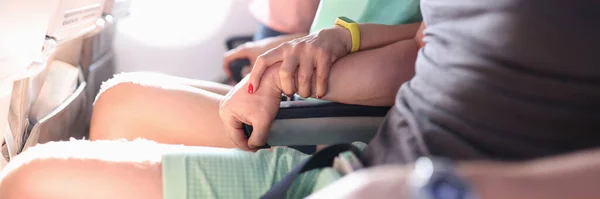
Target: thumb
column 259, row 136
column 233, row 129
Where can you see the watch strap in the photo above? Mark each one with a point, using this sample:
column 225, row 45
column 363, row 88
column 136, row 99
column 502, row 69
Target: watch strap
column 354, row 31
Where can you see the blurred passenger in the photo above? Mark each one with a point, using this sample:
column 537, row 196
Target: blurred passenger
column 280, row 21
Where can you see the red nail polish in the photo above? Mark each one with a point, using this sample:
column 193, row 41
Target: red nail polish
column 250, row 89
column 318, row 97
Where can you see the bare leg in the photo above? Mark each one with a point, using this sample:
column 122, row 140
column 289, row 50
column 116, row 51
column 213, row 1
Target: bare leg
column 84, row 169
column 214, row 87
column 162, row 108
column 134, row 169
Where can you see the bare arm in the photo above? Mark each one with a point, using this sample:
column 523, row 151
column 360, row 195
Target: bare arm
column 273, row 42
column 377, row 35
column 307, row 10
column 569, row 176
column 369, row 77
column 371, row 35
column 313, row 55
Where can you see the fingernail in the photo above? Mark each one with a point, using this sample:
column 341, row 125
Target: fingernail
column 250, row 89
column 318, row 97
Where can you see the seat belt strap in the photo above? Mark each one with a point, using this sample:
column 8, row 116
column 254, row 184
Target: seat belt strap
column 321, row 159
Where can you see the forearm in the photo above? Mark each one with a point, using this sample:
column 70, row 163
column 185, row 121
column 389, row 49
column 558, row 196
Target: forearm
column 306, row 14
column 273, row 42
column 377, row 35
column 369, row 77
column 571, row 176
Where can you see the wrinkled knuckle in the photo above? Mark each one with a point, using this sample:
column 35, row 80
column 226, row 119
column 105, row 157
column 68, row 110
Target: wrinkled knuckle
column 321, row 51
column 296, row 51
column 260, row 59
column 301, row 45
column 286, row 72
column 321, row 32
column 287, row 46
column 303, row 79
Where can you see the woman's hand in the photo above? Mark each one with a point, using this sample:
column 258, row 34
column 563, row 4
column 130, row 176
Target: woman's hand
column 302, row 56
column 377, row 182
column 257, row 109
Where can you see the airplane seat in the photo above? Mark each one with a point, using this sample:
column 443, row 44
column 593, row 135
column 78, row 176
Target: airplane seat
column 24, row 53
column 42, row 94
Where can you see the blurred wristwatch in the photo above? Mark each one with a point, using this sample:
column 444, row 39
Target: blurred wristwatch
column 435, row 178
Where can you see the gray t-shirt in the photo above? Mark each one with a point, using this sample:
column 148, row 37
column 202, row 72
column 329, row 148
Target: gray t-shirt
column 498, row 79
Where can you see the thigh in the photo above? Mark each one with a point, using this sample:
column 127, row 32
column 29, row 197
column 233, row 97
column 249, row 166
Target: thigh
column 149, row 77
column 162, row 108
column 199, row 172
column 218, row 88
column 84, row 169
column 144, row 169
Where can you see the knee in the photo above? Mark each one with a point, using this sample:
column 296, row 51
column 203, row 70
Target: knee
column 112, row 104
column 120, row 99
column 121, row 86
column 33, row 174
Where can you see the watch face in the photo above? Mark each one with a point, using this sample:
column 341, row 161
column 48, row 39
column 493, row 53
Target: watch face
column 435, row 179
column 346, row 19
column 445, row 189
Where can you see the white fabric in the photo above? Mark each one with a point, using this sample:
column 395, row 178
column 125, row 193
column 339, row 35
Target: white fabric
column 17, row 92
column 60, row 83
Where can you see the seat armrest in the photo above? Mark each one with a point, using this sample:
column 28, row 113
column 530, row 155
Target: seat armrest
column 315, row 122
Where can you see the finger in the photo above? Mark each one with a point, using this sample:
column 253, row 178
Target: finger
column 305, row 72
column 262, row 63
column 230, row 56
column 286, row 75
column 259, row 135
column 322, row 79
column 234, row 130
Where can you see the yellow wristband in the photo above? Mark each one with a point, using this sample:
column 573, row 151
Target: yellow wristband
column 354, row 31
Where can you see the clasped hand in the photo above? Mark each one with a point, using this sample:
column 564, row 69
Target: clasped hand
column 288, row 68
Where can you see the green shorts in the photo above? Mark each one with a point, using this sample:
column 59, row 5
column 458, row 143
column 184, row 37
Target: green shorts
column 204, row 172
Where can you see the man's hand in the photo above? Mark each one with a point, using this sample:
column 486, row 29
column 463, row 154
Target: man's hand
column 301, row 57
column 376, row 182
column 257, row 109
column 251, row 50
